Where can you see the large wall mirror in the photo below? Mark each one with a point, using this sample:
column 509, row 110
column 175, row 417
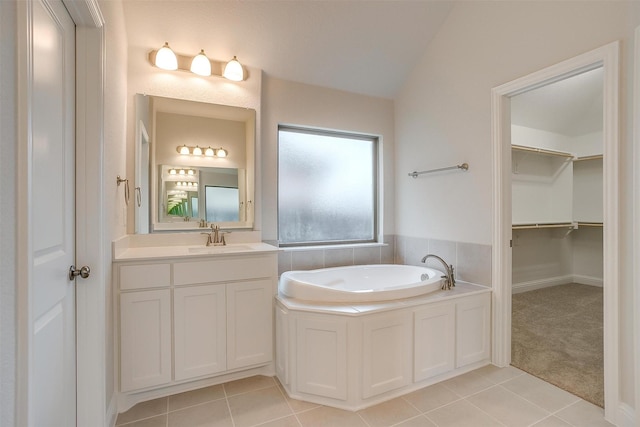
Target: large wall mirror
column 194, row 165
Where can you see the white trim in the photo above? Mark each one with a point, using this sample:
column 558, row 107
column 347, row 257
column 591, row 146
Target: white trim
column 608, row 57
column 517, row 288
column 23, row 309
column 90, row 241
column 636, row 216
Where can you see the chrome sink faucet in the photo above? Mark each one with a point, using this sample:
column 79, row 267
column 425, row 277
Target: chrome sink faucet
column 449, row 280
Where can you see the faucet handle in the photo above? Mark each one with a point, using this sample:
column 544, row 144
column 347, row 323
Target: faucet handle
column 209, row 239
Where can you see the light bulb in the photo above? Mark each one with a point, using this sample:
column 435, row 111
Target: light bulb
column 190, row 172
column 184, row 150
column 181, row 172
column 233, row 70
column 209, row 152
column 166, row 59
column 197, row 151
column 221, row 152
column 172, row 172
column 201, row 64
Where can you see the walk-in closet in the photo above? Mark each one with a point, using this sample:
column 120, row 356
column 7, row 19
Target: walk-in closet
column 557, row 255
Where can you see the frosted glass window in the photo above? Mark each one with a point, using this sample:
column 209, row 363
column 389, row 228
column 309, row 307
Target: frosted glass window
column 221, row 204
column 326, row 187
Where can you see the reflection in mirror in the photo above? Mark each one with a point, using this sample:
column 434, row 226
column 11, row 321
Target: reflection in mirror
column 193, row 186
column 215, row 191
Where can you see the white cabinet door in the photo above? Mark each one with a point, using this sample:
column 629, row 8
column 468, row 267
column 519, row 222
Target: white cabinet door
column 199, row 331
column 434, row 351
column 473, row 316
column 250, row 323
column 145, row 339
column 386, row 363
column 321, row 345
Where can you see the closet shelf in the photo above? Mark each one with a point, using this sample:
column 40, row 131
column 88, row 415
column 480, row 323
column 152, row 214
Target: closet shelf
column 571, row 225
column 582, row 159
column 543, row 225
column 543, row 151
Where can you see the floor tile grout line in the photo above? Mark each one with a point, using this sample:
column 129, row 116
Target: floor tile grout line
column 282, row 392
column 527, row 400
column 408, row 419
column 362, row 418
column 195, row 404
column 551, row 412
column 141, row 419
column 226, row 399
column 486, row 413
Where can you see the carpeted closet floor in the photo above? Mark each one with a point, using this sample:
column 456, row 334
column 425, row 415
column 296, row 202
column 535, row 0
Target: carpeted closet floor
column 557, row 335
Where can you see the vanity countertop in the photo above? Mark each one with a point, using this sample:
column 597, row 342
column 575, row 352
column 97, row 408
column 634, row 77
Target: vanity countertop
column 159, row 252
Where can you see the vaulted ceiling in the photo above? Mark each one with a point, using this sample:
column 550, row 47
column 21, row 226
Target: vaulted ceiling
column 360, row 46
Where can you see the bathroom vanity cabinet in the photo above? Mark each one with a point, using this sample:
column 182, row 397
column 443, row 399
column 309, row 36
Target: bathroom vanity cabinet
column 187, row 322
column 354, row 356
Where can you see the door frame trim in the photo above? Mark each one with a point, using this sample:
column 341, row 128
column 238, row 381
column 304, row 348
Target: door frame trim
column 91, row 293
column 636, row 213
column 608, row 57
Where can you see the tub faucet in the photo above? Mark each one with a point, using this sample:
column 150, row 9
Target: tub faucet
column 449, row 280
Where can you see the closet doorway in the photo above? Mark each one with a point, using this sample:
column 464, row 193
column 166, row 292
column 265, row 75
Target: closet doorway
column 557, row 223
column 504, row 276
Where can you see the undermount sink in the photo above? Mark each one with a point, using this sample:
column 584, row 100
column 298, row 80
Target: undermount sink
column 219, row 249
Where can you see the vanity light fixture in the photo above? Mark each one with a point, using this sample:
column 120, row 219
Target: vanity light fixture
column 233, row 70
column 200, row 64
column 181, row 172
column 172, row 171
column 191, row 172
column 197, row 151
column 166, row 59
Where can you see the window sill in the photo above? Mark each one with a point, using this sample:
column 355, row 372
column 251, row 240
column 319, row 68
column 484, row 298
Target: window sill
column 344, row 246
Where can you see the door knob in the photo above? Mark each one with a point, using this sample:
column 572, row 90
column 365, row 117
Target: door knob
column 84, row 272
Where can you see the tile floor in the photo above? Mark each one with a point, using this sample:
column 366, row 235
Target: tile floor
column 488, row 396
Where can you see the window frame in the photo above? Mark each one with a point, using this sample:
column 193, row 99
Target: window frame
column 376, row 140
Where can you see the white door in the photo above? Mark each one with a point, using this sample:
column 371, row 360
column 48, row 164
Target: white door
column 51, row 241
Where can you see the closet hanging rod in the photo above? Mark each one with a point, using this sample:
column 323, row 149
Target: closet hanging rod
column 463, row 166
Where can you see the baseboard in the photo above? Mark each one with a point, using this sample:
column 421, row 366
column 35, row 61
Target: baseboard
column 588, row 280
column 517, row 288
column 626, row 416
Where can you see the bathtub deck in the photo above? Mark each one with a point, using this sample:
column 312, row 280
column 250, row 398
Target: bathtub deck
column 354, row 309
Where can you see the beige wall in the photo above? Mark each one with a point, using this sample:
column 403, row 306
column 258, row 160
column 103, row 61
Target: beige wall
column 443, row 117
column 286, row 102
column 115, row 161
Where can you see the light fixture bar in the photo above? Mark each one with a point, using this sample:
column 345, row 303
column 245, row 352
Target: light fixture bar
column 217, row 67
column 198, row 151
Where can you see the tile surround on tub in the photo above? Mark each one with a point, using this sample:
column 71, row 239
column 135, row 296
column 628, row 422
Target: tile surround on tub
column 319, row 257
column 471, row 261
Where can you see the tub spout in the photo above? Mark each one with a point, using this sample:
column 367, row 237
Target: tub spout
column 449, row 280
